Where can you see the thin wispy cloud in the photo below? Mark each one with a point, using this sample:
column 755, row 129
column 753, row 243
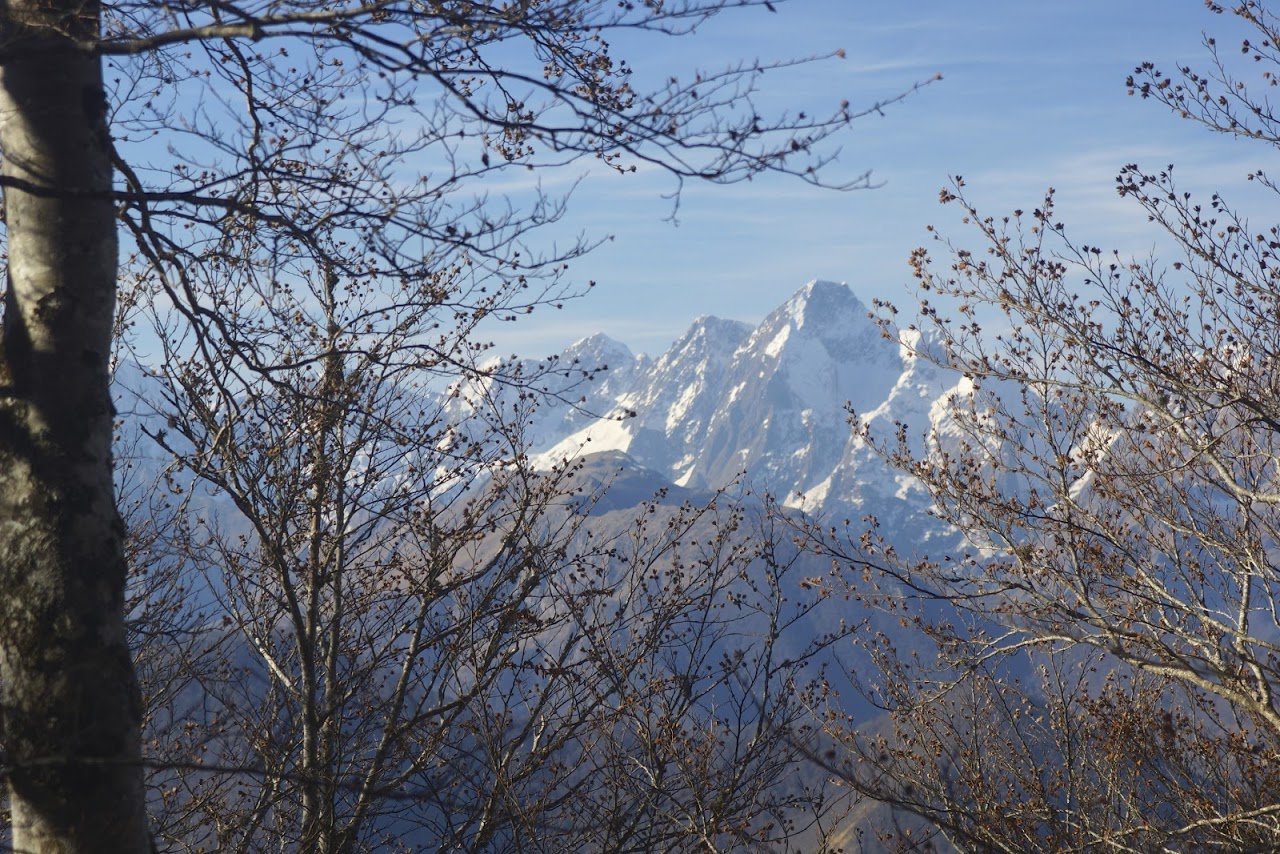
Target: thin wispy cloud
column 1032, row 96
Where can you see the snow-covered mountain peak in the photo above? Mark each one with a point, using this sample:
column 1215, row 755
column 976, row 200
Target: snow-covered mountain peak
column 818, row 301
column 824, row 312
column 819, row 347
column 707, row 337
column 598, row 351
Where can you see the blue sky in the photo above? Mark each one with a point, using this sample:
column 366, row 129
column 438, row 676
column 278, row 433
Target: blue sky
column 1032, row 96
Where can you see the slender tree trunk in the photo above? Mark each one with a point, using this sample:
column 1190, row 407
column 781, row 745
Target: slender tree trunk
column 70, row 699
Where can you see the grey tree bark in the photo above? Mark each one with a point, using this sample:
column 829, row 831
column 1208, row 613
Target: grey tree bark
column 70, row 700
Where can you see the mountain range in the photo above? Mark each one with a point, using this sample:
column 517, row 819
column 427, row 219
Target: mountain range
column 769, row 404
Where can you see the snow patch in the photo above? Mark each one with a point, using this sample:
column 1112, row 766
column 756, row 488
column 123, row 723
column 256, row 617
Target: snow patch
column 609, row 434
column 681, row 406
column 810, row 498
column 779, row 341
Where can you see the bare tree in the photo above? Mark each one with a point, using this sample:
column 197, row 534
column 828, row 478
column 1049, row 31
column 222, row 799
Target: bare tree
column 237, row 132
column 1097, row 670
column 410, row 636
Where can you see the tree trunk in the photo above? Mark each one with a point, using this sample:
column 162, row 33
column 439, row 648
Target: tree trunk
column 70, row 699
